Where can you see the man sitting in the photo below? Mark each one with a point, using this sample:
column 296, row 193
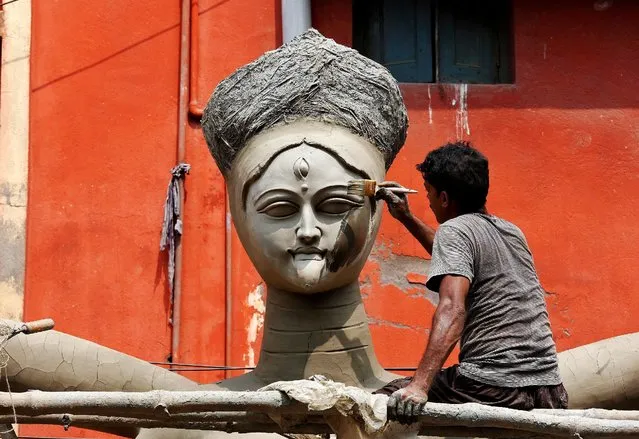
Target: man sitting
column 490, row 298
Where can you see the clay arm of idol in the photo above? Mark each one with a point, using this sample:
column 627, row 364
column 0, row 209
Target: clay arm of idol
column 399, row 209
column 55, row 361
column 448, row 322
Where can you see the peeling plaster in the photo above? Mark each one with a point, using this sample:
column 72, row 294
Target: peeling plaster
column 254, row 301
column 10, row 300
column 430, row 107
column 461, row 117
column 400, row 270
column 398, row 325
column 12, row 257
column 13, row 194
column 14, row 147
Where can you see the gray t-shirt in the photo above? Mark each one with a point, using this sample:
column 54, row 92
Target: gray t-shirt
column 506, row 340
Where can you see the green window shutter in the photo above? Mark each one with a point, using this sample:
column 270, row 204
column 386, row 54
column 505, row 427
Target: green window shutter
column 397, row 34
column 474, row 41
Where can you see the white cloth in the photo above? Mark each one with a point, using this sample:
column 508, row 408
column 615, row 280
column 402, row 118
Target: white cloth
column 353, row 413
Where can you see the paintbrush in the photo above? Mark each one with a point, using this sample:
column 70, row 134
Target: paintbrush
column 369, row 188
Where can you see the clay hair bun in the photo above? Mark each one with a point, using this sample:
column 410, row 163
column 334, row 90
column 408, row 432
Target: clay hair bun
column 311, row 77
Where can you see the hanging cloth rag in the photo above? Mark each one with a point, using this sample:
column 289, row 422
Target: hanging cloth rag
column 172, row 224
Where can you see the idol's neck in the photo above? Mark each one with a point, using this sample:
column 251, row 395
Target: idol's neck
column 324, row 334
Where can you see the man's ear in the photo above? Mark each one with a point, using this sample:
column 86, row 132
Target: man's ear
column 443, row 197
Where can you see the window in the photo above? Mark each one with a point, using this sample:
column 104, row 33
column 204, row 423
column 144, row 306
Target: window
column 437, row 40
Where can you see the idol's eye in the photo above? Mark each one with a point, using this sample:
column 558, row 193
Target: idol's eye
column 279, row 209
column 338, row 205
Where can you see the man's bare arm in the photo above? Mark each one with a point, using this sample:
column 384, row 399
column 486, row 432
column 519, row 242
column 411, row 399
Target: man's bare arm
column 446, row 329
column 399, row 209
column 421, row 231
column 448, row 323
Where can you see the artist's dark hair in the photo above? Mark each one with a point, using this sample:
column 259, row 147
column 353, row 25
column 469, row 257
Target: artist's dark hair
column 461, row 171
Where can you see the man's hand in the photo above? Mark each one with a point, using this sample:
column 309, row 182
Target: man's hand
column 405, row 405
column 397, row 203
column 398, row 208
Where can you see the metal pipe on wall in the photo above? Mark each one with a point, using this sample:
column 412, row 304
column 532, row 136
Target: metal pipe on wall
column 228, row 285
column 296, row 18
column 194, row 105
column 183, row 108
column 195, row 111
column 190, row 106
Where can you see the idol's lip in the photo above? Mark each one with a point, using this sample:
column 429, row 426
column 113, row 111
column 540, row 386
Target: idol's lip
column 307, row 251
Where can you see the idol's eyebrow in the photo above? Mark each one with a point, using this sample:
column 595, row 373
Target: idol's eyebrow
column 272, row 193
column 336, row 189
column 332, row 188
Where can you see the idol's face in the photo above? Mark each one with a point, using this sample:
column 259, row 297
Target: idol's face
column 312, row 234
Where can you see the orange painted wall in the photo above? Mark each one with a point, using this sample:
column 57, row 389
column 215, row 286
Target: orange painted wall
column 103, row 133
column 103, row 129
column 563, row 144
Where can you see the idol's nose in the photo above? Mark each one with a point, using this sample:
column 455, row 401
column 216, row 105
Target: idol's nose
column 308, row 231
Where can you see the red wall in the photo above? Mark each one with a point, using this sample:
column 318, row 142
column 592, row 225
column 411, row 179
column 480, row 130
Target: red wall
column 103, row 127
column 102, row 141
column 563, row 145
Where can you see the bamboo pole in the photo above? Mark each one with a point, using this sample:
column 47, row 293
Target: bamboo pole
column 230, row 426
column 247, row 411
column 477, row 415
column 155, row 403
column 624, row 415
column 251, row 426
column 105, row 422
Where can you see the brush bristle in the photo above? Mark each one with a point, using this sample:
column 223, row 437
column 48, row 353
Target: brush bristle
column 364, row 188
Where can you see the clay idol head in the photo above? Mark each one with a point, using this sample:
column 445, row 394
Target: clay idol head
column 289, row 131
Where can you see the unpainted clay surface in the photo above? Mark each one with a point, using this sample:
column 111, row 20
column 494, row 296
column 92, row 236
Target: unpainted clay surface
column 311, row 77
column 302, row 230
